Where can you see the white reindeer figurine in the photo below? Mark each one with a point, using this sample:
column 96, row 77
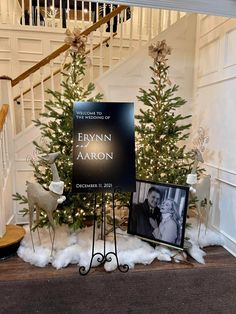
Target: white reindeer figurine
column 200, row 189
column 41, row 199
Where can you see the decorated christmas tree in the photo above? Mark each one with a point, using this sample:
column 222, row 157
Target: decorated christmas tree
column 161, row 155
column 56, row 125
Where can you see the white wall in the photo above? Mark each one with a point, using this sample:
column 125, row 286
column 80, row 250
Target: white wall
column 123, row 82
column 214, row 110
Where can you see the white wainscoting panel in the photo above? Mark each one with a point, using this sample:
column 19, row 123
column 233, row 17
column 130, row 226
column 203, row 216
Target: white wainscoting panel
column 223, row 211
column 30, row 45
column 210, row 22
column 230, row 48
column 217, row 63
column 209, row 58
column 214, row 110
column 227, row 206
column 5, row 65
column 5, row 44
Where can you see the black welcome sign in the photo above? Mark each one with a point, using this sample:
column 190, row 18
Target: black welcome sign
column 103, row 147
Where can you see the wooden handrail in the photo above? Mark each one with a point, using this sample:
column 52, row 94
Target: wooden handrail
column 3, row 114
column 63, row 48
column 59, row 70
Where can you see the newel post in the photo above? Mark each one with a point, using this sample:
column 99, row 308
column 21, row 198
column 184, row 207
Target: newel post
column 7, row 173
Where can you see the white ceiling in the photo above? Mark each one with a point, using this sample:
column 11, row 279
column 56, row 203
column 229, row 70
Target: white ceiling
column 211, row 7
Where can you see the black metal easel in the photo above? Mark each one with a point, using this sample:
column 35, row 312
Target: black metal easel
column 105, row 257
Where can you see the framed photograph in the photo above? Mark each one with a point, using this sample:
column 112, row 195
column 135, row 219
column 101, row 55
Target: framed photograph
column 158, row 213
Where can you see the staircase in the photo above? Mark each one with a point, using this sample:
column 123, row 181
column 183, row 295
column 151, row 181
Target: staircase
column 26, row 94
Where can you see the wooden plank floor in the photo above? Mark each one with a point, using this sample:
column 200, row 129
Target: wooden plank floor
column 15, row 268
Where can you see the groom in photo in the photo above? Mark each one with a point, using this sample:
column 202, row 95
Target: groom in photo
column 141, row 213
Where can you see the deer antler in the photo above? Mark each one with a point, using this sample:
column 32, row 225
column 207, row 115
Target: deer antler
column 197, row 157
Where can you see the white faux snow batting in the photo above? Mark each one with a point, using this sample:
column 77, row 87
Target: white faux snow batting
column 75, row 248
column 207, row 237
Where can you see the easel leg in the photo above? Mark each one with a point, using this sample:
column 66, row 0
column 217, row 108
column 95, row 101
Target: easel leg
column 105, row 257
column 82, row 270
column 123, row 268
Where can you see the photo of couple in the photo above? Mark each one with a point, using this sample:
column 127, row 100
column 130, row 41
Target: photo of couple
column 158, row 212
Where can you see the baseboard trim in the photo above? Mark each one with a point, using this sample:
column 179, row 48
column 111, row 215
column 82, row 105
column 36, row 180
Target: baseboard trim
column 228, row 242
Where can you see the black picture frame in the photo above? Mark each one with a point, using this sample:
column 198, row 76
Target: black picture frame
column 168, row 218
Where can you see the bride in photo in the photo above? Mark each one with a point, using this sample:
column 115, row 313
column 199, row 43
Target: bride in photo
column 169, row 227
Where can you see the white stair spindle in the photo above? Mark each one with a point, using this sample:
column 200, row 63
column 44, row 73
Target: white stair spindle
column 111, row 40
column 90, row 13
column 126, row 23
column 30, row 13
column 165, row 20
column 75, row 12
column 104, row 25
column 14, row 21
column 38, row 13
column 3, row 152
column 42, row 89
column 97, row 12
column 121, row 17
column 68, row 14
column 168, row 18
column 82, row 9
column 140, row 26
column 131, row 31
column 154, row 22
column 110, row 43
column 6, row 146
column 101, row 52
column 52, row 75
column 150, row 24
column 176, row 16
column 23, row 12
column 160, row 21
column 62, row 59
column 53, row 13
column 60, row 13
column 91, row 56
column 125, row 15
column 32, row 97
column 46, row 13
column 172, row 17
column 102, row 10
column 22, row 106
column 111, row 20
